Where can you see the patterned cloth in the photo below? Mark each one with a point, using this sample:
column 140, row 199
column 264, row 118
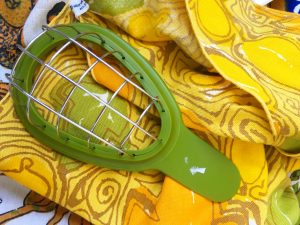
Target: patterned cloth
column 19, row 205
column 12, row 18
column 211, row 55
column 3, row 90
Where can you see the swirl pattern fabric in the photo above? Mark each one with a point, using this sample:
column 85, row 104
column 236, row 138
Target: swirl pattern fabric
column 240, row 107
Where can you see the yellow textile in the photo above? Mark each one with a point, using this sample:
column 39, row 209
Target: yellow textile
column 241, row 49
column 251, row 104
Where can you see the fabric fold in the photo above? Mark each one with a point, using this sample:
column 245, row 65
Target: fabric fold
column 240, row 106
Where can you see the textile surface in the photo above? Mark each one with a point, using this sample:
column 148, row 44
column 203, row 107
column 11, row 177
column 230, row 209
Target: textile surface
column 210, row 54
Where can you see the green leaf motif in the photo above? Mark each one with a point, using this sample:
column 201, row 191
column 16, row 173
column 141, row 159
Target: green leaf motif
column 113, row 7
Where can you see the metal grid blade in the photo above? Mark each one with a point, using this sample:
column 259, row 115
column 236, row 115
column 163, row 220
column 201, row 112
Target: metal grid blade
column 59, row 113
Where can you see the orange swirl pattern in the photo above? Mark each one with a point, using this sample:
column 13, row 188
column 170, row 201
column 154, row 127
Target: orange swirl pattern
column 13, row 14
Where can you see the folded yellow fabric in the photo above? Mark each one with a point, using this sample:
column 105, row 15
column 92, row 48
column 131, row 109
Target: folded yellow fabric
column 241, row 40
column 226, row 110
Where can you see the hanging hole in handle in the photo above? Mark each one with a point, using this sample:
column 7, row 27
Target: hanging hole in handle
column 46, row 32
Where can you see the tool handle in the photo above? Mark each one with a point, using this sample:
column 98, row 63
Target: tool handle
column 201, row 168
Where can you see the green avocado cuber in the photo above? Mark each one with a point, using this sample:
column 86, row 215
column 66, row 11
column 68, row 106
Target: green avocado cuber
column 177, row 151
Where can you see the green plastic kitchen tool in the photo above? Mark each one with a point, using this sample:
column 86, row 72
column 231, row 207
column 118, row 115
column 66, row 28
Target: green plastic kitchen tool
column 175, row 151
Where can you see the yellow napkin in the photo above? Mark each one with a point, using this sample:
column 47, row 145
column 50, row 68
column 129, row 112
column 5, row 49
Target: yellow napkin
column 253, row 103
